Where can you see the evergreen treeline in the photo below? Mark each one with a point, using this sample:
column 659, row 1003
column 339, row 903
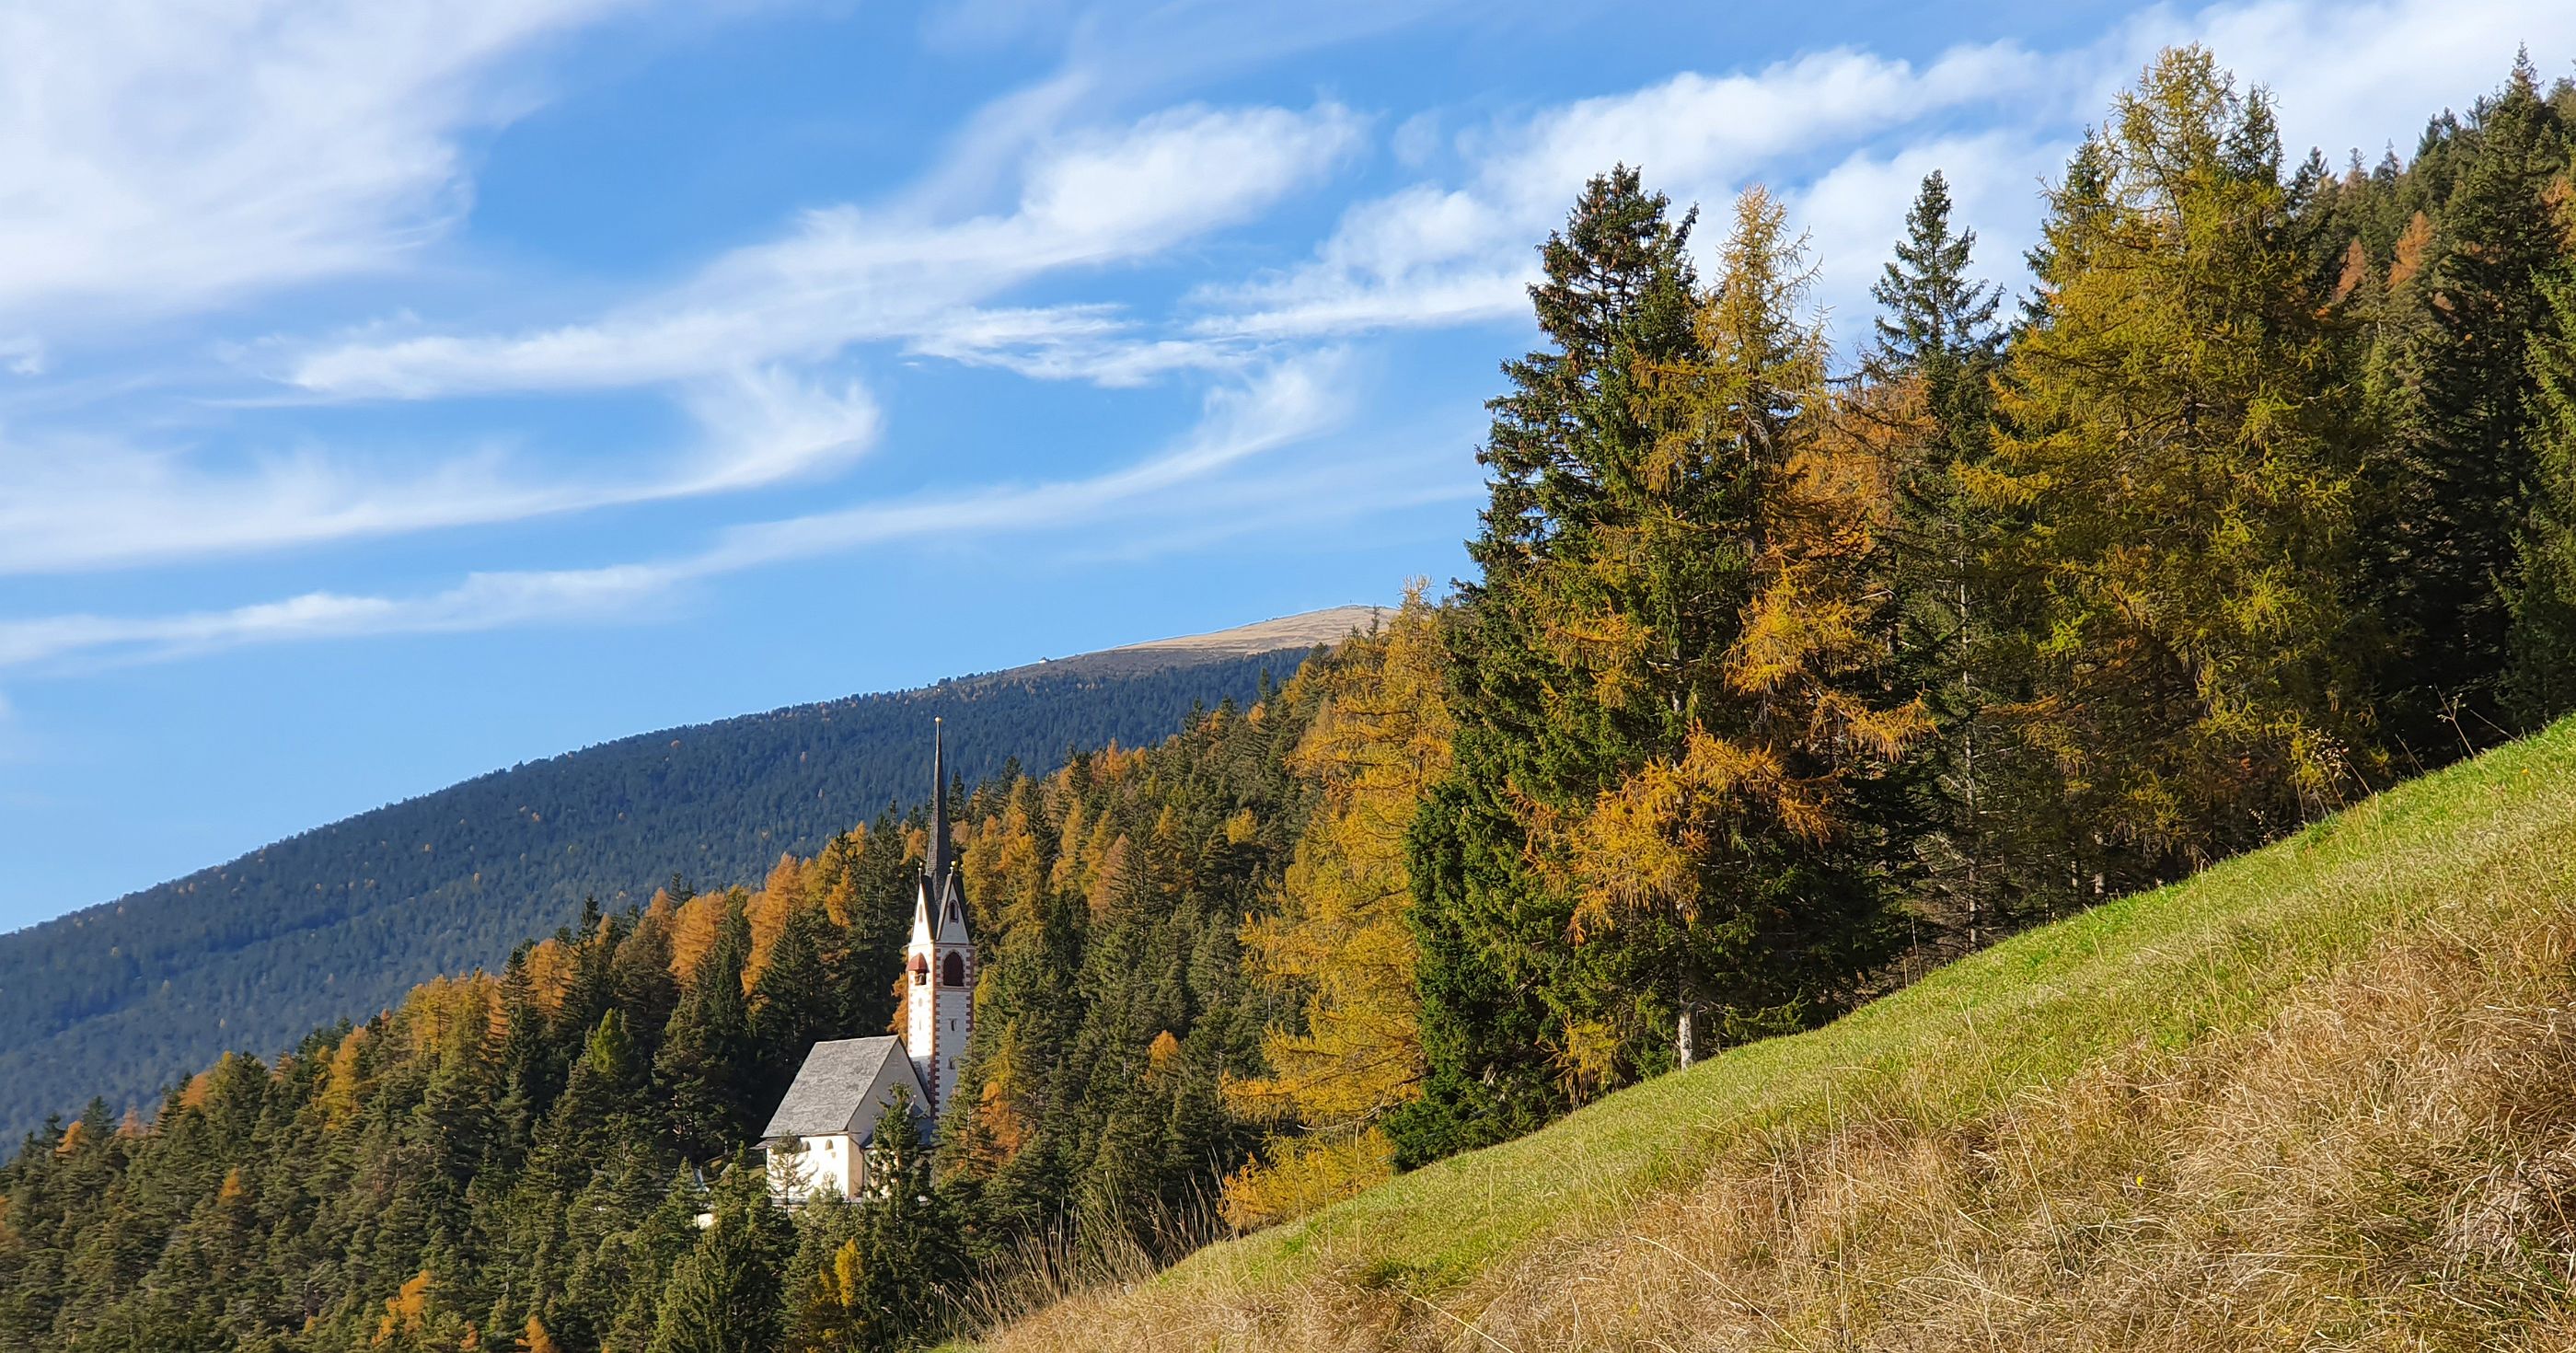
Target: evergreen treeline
column 1780, row 678
column 118, row 999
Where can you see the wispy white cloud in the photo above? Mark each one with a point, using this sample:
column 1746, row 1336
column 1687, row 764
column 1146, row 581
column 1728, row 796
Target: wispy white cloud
column 846, row 275
column 326, row 141
column 72, row 502
column 2367, row 73
column 159, row 158
column 1283, row 405
column 1429, row 255
column 1997, row 117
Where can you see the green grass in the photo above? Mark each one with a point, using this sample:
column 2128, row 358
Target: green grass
column 2448, row 858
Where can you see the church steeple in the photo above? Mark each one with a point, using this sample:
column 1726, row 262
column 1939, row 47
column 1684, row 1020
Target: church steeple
column 937, row 866
column 939, row 963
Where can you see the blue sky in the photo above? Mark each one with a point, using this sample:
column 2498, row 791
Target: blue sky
column 395, row 389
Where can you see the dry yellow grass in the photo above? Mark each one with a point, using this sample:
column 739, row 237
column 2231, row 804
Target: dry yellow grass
column 2323, row 1097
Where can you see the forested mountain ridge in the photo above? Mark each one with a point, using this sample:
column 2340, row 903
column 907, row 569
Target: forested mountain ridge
column 338, row 922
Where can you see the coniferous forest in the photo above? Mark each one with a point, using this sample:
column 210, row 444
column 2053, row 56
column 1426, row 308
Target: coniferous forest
column 1785, row 673
column 115, row 999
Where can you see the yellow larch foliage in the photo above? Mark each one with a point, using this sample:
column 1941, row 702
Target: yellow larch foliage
column 1005, row 866
column 2560, row 195
column 693, row 933
column 997, row 1105
column 1163, row 1053
column 1797, row 723
column 1300, row 1174
column 201, row 1085
column 780, row 896
column 71, row 1138
column 840, row 899
column 535, row 1339
column 232, row 1190
column 551, row 967
column 1072, row 841
column 407, row 1311
column 2356, row 270
column 1109, row 866
column 1339, row 935
column 344, row 1083
column 833, row 1294
column 2412, row 246
column 452, row 1016
column 1112, row 764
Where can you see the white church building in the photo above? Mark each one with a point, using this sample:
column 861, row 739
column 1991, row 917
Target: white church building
column 818, row 1139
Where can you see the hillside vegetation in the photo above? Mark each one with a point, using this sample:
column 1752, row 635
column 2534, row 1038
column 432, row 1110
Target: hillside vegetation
column 338, row 922
column 2322, row 1096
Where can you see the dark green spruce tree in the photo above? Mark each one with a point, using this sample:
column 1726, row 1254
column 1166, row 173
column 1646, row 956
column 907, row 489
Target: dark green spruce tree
column 2454, row 491
column 709, row 1064
column 1937, row 352
column 1616, row 297
column 2543, row 685
column 724, row 1296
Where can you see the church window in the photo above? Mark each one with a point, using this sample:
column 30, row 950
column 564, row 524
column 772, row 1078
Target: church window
column 952, row 970
column 920, row 971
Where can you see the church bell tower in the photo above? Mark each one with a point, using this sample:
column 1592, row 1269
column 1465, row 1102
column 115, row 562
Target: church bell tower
column 939, row 962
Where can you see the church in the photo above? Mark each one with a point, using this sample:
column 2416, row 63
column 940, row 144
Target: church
column 818, row 1139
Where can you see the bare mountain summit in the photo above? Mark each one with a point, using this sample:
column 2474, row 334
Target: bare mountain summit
column 1303, row 630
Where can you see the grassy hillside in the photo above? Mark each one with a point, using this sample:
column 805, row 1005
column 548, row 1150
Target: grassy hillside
column 2323, row 1096
column 337, row 922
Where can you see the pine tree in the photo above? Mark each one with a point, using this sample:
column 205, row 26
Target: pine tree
column 1617, row 294
column 709, row 1058
column 2456, row 489
column 1938, row 350
column 798, row 1000
column 724, row 1295
column 1937, row 323
column 2543, row 681
column 890, row 1285
column 1735, row 617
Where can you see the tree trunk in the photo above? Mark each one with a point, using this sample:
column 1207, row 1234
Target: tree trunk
column 1682, row 1047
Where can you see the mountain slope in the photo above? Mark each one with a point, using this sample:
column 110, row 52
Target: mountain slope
column 2322, row 1096
column 118, row 999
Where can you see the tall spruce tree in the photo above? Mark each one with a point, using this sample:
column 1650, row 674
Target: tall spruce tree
column 1938, row 349
column 799, row 999
column 2543, row 683
column 1739, row 612
column 1616, row 296
column 709, row 1062
column 2455, row 488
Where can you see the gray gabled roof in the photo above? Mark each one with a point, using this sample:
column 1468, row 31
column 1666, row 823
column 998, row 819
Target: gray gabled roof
column 843, row 1086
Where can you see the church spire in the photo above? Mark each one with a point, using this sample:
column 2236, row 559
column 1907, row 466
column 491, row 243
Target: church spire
column 937, row 865
column 939, row 962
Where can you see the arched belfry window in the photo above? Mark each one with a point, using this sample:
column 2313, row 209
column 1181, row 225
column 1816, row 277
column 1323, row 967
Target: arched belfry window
column 920, row 971
column 952, row 970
